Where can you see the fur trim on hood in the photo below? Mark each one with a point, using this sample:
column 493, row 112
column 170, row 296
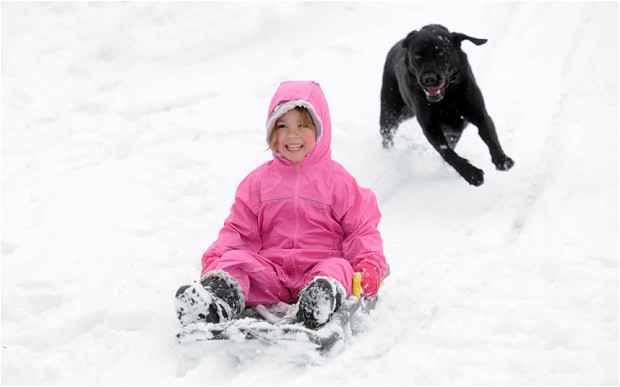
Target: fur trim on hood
column 285, row 107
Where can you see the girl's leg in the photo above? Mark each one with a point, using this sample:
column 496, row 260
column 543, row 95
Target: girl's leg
column 337, row 268
column 261, row 279
column 325, row 287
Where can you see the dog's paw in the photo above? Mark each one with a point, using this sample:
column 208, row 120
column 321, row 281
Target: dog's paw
column 388, row 143
column 504, row 163
column 474, row 176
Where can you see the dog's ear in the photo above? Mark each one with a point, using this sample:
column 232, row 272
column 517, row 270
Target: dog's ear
column 408, row 38
column 458, row 37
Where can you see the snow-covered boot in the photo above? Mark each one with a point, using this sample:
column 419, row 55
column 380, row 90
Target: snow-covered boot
column 318, row 301
column 216, row 299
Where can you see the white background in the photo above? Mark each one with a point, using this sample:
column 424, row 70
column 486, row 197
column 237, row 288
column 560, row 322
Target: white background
column 126, row 127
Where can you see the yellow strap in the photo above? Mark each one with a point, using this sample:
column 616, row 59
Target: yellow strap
column 357, row 285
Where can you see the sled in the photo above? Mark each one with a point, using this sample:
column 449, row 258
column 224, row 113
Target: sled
column 276, row 324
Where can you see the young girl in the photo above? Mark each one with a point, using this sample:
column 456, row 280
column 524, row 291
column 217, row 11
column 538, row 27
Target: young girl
column 299, row 228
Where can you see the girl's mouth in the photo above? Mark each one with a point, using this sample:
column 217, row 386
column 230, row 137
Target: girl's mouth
column 294, row 147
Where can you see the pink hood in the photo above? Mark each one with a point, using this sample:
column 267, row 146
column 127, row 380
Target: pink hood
column 296, row 214
column 309, row 95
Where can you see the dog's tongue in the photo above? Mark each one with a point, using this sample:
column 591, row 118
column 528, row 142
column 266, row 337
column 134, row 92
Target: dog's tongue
column 434, row 91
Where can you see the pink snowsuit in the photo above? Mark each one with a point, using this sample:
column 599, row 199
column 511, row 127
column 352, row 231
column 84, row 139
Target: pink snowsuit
column 292, row 222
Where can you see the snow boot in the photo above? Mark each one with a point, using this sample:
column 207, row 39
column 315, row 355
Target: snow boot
column 318, row 301
column 218, row 298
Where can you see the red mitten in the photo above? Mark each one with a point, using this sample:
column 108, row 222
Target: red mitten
column 370, row 278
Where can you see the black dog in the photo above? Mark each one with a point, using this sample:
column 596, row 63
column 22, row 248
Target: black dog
column 428, row 75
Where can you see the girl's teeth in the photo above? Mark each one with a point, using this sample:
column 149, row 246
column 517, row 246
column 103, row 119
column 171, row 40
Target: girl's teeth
column 293, row 147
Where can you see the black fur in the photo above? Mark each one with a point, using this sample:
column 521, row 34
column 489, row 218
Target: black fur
column 427, row 75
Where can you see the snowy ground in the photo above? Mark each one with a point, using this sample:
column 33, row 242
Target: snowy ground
column 126, row 128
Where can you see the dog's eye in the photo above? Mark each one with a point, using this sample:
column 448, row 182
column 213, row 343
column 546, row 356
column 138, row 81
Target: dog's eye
column 417, row 57
column 440, row 55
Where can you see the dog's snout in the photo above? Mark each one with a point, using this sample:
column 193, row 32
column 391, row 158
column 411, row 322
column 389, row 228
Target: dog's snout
column 430, row 79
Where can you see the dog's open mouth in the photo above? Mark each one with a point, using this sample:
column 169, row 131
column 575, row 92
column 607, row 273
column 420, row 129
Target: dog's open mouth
column 435, row 94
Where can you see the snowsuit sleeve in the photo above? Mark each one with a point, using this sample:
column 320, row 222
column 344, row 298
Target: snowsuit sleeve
column 362, row 241
column 240, row 230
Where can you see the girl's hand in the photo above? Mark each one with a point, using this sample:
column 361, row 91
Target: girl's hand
column 370, row 279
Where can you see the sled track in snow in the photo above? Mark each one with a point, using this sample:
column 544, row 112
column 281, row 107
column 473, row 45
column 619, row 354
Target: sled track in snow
column 552, row 141
column 388, row 183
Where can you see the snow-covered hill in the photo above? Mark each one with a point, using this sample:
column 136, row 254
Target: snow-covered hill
column 126, row 127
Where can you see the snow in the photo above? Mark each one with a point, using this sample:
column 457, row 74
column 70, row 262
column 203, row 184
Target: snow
column 126, row 127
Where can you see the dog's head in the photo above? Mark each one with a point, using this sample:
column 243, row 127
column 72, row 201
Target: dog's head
column 434, row 57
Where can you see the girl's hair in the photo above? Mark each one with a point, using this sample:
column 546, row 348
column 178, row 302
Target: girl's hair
column 306, row 121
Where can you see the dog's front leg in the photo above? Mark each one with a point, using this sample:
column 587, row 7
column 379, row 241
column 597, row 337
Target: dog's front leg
column 471, row 174
column 486, row 130
column 394, row 110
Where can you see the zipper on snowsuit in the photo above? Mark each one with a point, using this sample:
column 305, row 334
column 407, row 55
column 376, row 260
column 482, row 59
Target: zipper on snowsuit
column 296, row 203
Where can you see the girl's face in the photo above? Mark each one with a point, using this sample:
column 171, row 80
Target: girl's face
column 294, row 140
